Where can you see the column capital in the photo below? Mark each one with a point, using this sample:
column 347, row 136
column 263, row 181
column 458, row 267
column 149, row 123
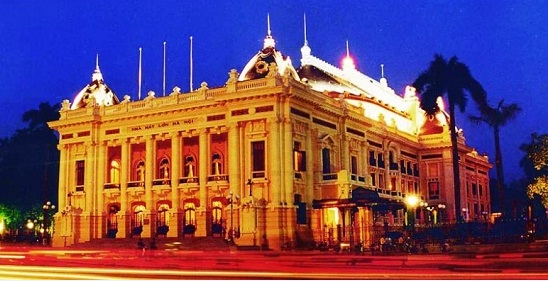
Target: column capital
column 174, row 134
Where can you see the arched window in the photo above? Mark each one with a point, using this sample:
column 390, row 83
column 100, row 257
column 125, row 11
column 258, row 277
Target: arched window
column 217, row 223
column 189, row 221
column 189, row 168
column 217, row 212
column 163, row 172
column 216, row 164
column 112, row 220
column 114, row 171
column 190, row 214
column 163, row 215
column 140, row 171
column 137, row 219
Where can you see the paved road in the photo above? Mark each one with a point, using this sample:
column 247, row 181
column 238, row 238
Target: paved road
column 48, row 263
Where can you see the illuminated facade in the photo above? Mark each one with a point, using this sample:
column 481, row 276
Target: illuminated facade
column 276, row 154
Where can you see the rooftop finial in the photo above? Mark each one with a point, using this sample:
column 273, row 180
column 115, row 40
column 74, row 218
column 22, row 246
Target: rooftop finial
column 348, row 62
column 383, row 80
column 347, row 49
column 305, row 39
column 268, row 24
column 268, row 41
column 305, row 50
column 96, row 76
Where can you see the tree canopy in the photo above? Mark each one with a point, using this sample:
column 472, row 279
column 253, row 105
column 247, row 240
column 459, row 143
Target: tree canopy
column 537, row 153
column 29, row 160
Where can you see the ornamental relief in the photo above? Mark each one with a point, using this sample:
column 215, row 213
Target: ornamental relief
column 255, row 126
column 299, row 128
column 354, row 145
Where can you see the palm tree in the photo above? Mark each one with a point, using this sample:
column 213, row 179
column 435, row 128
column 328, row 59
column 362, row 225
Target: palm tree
column 496, row 118
column 451, row 78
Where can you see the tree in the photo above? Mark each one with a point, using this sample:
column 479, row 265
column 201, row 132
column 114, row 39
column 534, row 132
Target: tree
column 537, row 152
column 29, row 160
column 453, row 79
column 496, row 118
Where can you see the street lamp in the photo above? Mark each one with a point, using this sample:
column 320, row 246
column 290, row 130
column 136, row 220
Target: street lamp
column 47, row 207
column 440, row 208
column 231, row 198
column 411, row 202
column 465, row 214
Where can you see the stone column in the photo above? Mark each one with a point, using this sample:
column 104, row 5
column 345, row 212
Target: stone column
column 289, row 174
column 175, row 174
column 203, row 168
column 203, row 165
column 149, row 171
column 89, row 176
column 149, row 177
column 234, row 162
column 63, row 165
column 125, row 167
column 101, row 167
column 309, row 148
column 275, row 161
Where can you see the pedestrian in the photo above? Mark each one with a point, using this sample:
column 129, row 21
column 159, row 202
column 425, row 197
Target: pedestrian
column 382, row 244
column 141, row 246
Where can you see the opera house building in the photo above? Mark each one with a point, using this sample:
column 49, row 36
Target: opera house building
column 277, row 154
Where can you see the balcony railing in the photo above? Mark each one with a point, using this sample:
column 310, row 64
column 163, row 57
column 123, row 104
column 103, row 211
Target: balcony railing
column 111, row 186
column 161, row 182
column 136, row 184
column 188, row 180
column 221, row 177
column 327, row 177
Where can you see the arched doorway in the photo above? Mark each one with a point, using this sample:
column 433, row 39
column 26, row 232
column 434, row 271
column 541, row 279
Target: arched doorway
column 162, row 220
column 112, row 220
column 189, row 219
column 218, row 227
column 137, row 219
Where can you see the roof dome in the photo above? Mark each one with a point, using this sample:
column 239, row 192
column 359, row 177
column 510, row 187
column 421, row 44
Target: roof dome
column 261, row 64
column 96, row 93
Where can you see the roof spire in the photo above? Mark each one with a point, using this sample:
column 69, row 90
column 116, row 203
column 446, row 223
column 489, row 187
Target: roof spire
column 383, row 80
column 268, row 41
column 348, row 62
column 305, row 50
column 305, row 39
column 347, row 49
column 268, row 24
column 96, row 76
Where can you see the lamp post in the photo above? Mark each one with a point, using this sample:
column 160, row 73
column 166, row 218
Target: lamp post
column 411, row 202
column 464, row 214
column 47, row 207
column 440, row 214
column 230, row 199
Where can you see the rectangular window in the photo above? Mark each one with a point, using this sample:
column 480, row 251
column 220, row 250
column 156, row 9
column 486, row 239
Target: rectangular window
column 474, row 189
column 354, row 165
column 80, row 171
column 258, row 159
column 299, row 158
column 326, row 161
column 372, row 160
column 434, row 190
column 480, row 190
column 373, row 179
column 381, row 181
column 381, row 160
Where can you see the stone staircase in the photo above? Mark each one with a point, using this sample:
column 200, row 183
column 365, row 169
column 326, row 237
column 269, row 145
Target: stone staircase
column 162, row 243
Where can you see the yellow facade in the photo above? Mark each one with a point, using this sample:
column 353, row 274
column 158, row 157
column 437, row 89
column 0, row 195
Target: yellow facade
column 269, row 155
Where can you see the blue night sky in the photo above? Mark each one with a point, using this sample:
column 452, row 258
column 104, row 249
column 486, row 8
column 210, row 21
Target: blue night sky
column 47, row 50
